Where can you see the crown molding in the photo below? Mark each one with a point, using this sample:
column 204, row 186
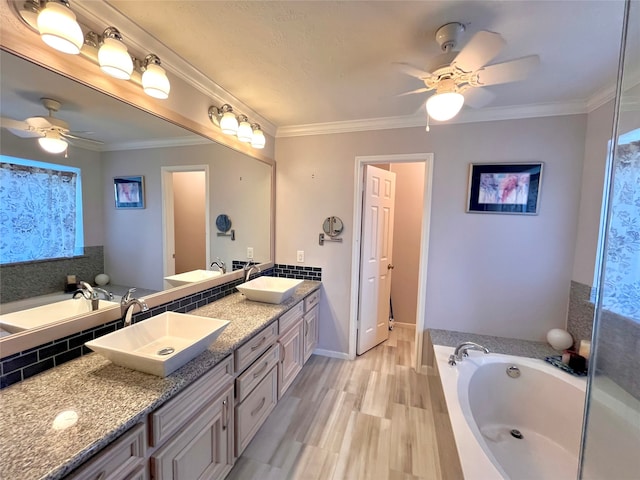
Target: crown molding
column 138, row 40
column 419, row 120
column 157, row 143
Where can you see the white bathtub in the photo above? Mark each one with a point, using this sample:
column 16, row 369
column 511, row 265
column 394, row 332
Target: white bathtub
column 545, row 404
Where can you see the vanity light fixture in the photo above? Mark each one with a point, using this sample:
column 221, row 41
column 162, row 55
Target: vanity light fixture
column 245, row 132
column 113, row 56
column 154, row 78
column 52, row 142
column 224, row 118
column 445, row 103
column 58, row 27
column 257, row 138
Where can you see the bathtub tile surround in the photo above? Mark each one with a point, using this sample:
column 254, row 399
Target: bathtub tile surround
column 48, row 276
column 23, row 365
column 581, row 311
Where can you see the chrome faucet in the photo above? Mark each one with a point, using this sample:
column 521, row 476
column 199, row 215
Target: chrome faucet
column 128, row 305
column 92, row 294
column 220, row 264
column 248, row 268
column 461, row 351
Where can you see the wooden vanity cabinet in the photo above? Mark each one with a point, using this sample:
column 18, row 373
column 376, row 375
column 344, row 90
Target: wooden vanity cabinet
column 310, row 332
column 291, row 344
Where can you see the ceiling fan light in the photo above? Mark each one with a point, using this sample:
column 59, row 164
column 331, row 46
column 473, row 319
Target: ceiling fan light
column 245, row 132
column 444, row 106
column 59, row 29
column 229, row 123
column 155, row 82
column 52, row 142
column 257, row 138
column 114, row 59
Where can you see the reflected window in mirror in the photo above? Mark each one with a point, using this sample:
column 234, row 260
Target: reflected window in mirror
column 41, row 210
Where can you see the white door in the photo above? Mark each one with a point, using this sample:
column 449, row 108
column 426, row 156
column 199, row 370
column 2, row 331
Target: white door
column 375, row 258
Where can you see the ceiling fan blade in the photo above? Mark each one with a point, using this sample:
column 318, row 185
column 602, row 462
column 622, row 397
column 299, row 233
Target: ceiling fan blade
column 477, row 97
column 19, row 128
column 413, row 71
column 39, row 122
column 481, row 49
column 417, row 90
column 512, row 71
column 82, row 139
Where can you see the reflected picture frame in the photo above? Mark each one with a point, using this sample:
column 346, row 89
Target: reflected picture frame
column 509, row 188
column 129, row 191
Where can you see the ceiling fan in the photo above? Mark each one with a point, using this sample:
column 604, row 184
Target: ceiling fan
column 458, row 77
column 53, row 133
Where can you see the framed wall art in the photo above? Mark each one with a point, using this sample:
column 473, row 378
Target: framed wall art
column 129, row 191
column 512, row 188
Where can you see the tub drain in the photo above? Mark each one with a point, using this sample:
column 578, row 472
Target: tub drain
column 166, row 351
column 516, row 434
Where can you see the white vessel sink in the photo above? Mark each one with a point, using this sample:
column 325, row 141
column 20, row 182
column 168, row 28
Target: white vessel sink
column 269, row 289
column 146, row 345
column 45, row 314
column 192, row 276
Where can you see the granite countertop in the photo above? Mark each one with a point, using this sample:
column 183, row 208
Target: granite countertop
column 507, row 346
column 108, row 399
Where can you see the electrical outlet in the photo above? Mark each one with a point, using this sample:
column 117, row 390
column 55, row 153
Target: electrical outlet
column 250, row 253
column 300, row 256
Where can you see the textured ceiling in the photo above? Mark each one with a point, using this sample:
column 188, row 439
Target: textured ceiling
column 306, row 62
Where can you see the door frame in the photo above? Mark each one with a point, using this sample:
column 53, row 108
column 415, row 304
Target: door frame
column 168, row 234
column 360, row 162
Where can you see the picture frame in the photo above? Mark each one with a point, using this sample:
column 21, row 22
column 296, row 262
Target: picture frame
column 129, row 191
column 511, row 188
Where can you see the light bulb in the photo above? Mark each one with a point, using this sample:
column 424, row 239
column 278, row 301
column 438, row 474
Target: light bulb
column 114, row 59
column 155, row 82
column 59, row 29
column 229, row 123
column 245, row 132
column 52, row 142
column 257, row 139
column 444, row 106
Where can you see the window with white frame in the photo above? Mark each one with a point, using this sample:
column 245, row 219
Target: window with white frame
column 40, row 210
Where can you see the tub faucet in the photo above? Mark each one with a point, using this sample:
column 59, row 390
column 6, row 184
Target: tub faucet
column 248, row 268
column 128, row 305
column 220, row 264
column 461, row 351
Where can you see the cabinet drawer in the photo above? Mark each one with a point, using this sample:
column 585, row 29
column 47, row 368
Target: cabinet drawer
column 290, row 318
column 172, row 416
column 120, row 460
column 247, row 353
column 311, row 301
column 246, row 382
column 255, row 409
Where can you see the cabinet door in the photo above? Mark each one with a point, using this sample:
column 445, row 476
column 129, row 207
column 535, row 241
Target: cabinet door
column 204, row 449
column 310, row 332
column 292, row 347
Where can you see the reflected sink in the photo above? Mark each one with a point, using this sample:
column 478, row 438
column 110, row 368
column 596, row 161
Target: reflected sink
column 269, row 289
column 161, row 344
column 192, row 276
column 45, row 314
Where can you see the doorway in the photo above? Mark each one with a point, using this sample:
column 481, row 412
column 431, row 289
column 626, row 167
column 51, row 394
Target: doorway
column 185, row 218
column 420, row 287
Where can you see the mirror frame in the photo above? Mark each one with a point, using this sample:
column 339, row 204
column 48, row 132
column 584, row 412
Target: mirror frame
column 21, row 41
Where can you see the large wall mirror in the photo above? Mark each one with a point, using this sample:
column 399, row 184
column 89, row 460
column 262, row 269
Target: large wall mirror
column 189, row 181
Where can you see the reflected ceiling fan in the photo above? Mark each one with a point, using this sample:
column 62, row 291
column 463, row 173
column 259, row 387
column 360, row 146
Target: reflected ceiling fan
column 458, row 77
column 53, row 133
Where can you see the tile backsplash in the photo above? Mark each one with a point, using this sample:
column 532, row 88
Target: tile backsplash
column 20, row 366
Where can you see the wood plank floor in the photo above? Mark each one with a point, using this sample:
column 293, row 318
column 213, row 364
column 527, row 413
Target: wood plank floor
column 371, row 418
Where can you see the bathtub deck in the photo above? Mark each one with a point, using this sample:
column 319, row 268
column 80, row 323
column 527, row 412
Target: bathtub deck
column 371, row 418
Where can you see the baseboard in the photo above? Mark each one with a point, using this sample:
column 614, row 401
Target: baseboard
column 404, row 325
column 331, row 353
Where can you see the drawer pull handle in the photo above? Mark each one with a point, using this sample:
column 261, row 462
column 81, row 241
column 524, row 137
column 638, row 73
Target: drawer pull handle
column 225, row 414
column 259, row 372
column 259, row 407
column 259, row 344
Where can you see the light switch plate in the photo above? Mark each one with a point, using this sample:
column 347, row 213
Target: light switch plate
column 300, row 256
column 250, row 253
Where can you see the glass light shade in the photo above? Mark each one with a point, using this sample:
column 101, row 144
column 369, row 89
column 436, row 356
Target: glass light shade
column 114, row 59
column 444, row 106
column 245, row 132
column 229, row 123
column 155, row 82
column 59, row 29
column 52, row 143
column 257, row 139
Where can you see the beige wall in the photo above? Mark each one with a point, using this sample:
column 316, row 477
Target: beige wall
column 406, row 239
column 189, row 211
column 503, row 275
